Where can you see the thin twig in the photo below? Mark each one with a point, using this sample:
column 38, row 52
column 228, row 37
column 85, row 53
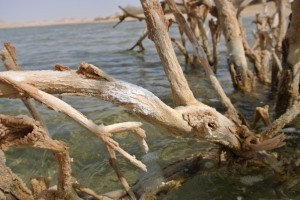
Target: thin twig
column 140, row 40
column 114, row 164
column 127, row 14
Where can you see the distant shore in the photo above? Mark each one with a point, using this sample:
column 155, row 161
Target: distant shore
column 250, row 11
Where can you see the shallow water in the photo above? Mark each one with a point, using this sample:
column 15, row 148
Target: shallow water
column 105, row 47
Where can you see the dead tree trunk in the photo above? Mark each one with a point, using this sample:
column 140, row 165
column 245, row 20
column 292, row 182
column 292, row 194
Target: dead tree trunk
column 242, row 78
column 288, row 90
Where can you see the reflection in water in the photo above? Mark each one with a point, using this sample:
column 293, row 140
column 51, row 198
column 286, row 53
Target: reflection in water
column 103, row 46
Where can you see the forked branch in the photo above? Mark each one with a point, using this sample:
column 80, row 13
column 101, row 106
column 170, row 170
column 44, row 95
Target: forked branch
column 203, row 59
column 127, row 14
column 60, row 106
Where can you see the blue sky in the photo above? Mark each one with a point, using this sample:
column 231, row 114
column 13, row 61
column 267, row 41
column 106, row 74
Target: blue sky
column 38, row 10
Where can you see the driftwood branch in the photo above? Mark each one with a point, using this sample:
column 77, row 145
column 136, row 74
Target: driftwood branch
column 23, row 131
column 127, row 14
column 215, row 31
column 113, row 162
column 284, row 119
column 242, row 78
column 288, row 87
column 158, row 33
column 189, row 118
column 10, row 60
column 262, row 113
column 188, row 58
column 139, row 42
column 60, row 106
column 137, row 99
column 203, row 59
column 11, row 186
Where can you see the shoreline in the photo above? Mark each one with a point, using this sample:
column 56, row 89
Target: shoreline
column 58, row 23
column 249, row 11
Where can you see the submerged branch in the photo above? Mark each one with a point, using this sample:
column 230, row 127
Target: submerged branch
column 140, row 40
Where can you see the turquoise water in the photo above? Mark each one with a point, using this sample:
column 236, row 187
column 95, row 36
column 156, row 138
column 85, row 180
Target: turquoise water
column 101, row 45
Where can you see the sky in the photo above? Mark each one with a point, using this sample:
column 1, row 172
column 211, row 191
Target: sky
column 39, row 10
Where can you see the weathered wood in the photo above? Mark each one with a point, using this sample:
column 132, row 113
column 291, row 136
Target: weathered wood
column 233, row 113
column 127, row 14
column 140, row 40
column 158, row 33
column 242, row 78
column 60, row 106
column 10, row 60
column 11, row 186
column 137, row 99
column 288, row 90
column 283, row 120
column 215, row 31
column 22, row 131
column 259, row 58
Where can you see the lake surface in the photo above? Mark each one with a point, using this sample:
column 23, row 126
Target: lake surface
column 105, row 47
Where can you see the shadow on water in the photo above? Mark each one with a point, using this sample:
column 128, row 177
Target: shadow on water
column 105, row 47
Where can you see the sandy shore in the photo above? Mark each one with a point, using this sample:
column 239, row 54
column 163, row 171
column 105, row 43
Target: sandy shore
column 51, row 23
column 250, row 11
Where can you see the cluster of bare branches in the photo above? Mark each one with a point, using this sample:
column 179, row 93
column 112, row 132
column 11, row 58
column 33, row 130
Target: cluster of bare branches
column 187, row 118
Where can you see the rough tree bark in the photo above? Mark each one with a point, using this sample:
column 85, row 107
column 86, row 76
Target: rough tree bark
column 21, row 131
column 288, row 90
column 242, row 78
column 11, row 187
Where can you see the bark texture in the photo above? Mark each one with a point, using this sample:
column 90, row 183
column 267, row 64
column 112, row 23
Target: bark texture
column 288, row 91
column 22, row 131
column 11, row 187
column 141, row 101
column 158, row 33
column 242, row 78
